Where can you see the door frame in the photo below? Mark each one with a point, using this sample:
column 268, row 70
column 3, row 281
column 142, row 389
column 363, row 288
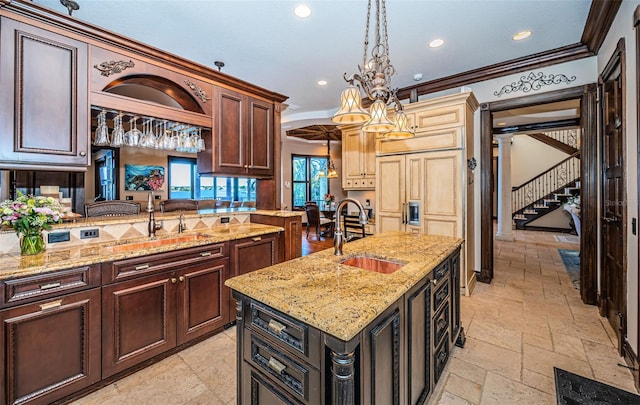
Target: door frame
column 589, row 170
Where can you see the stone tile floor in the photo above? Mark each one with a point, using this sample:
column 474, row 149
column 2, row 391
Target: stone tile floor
column 528, row 320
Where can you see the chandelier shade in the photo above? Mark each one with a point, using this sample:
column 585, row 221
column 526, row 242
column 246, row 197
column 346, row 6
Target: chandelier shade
column 374, row 80
column 351, row 111
column 401, row 128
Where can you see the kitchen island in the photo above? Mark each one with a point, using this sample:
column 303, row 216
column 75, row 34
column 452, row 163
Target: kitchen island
column 375, row 325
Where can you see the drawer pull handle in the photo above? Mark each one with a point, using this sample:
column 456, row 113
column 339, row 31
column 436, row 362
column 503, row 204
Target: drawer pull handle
column 50, row 305
column 50, row 286
column 276, row 366
column 142, row 267
column 173, row 280
column 181, row 278
column 205, row 254
column 434, row 281
column 257, row 239
column 276, row 327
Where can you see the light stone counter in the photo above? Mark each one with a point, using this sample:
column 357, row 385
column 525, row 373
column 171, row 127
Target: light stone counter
column 342, row 300
column 14, row 265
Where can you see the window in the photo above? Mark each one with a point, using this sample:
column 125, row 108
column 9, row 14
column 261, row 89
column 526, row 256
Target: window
column 308, row 182
column 185, row 182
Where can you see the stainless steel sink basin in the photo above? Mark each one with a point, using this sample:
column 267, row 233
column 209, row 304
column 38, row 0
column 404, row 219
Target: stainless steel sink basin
column 373, row 264
column 147, row 244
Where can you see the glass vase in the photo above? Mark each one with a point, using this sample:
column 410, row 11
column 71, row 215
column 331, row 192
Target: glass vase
column 32, row 242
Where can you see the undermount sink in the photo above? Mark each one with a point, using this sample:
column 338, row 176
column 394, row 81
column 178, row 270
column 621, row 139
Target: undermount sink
column 373, row 264
column 146, row 244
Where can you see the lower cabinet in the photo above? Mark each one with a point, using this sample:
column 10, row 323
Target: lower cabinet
column 146, row 316
column 52, row 348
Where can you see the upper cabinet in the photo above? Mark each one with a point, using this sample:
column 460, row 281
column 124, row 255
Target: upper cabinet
column 44, row 105
column 358, row 159
column 242, row 136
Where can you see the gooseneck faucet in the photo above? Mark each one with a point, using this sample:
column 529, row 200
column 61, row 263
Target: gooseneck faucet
column 338, row 239
column 153, row 226
column 181, row 224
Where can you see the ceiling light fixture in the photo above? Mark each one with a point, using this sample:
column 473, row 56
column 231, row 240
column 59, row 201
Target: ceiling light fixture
column 436, row 43
column 521, row 35
column 302, row 11
column 322, row 82
column 374, row 79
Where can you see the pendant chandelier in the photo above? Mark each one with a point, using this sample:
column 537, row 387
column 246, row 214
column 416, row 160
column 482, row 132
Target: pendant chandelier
column 332, row 173
column 374, row 79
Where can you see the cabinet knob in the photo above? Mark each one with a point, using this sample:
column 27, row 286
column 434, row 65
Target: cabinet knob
column 83, row 153
column 181, row 278
column 173, row 280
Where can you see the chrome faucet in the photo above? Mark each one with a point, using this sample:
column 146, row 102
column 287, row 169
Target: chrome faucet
column 181, row 225
column 153, row 226
column 338, row 240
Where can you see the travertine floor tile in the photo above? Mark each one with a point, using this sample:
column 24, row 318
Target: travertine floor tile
column 543, row 361
column 499, row 390
column 491, row 357
column 495, row 334
column 463, row 388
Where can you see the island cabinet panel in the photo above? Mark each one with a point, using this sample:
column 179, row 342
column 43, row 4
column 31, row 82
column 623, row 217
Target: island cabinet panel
column 290, row 241
column 418, row 378
column 52, row 348
column 44, row 104
column 243, row 136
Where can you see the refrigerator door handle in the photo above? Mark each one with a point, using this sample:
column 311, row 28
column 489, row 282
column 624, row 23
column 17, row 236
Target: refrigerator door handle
column 404, row 212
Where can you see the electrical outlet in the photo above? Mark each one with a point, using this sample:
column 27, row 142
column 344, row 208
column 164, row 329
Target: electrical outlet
column 55, row 237
column 224, row 220
column 89, row 233
column 157, row 197
column 634, row 226
column 129, row 198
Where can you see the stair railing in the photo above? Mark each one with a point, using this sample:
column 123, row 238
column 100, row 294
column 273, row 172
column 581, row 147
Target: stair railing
column 566, row 136
column 558, row 176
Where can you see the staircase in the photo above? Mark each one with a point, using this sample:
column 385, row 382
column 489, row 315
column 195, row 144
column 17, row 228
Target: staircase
column 546, row 192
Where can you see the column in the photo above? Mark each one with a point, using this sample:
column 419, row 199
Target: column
column 505, row 219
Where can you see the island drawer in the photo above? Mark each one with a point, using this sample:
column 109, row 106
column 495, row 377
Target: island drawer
column 295, row 377
column 173, row 260
column 258, row 389
column 440, row 296
column 28, row 289
column 285, row 332
column 441, row 324
column 441, row 272
column 440, row 357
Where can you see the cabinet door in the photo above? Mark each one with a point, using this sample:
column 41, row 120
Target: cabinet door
column 390, row 195
column 418, row 307
column 229, row 134
column 351, row 168
column 52, row 348
column 44, row 104
column 455, row 296
column 368, row 156
column 260, row 138
column 202, row 299
column 139, row 321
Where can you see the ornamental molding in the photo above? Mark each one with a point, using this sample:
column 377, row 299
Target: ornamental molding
column 113, row 67
column 197, row 90
column 533, row 82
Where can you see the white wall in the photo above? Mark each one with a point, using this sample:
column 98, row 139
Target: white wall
column 530, row 158
column 297, row 146
column 623, row 28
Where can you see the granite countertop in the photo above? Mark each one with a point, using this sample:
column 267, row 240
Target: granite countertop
column 14, row 265
column 342, row 300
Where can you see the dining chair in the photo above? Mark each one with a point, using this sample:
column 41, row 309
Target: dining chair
column 207, row 204
column 178, row 204
column 352, row 228
column 223, row 204
column 249, row 204
column 111, row 208
column 314, row 220
column 235, row 204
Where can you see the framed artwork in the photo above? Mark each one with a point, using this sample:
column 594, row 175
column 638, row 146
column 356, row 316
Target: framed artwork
column 143, row 177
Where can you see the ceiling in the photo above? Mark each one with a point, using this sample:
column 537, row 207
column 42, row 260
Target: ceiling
column 263, row 42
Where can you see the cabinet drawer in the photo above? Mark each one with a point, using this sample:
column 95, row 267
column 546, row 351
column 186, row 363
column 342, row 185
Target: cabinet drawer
column 441, row 272
column 258, row 389
column 440, row 357
column 27, row 289
column 284, row 331
column 296, row 377
column 441, row 324
column 174, row 260
column 440, row 296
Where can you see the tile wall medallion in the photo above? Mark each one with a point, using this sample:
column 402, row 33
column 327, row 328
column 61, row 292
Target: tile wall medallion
column 533, row 82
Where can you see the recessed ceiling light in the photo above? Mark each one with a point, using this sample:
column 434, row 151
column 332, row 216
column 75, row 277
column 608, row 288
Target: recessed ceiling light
column 436, row 43
column 521, row 35
column 302, row 11
column 501, row 124
column 322, row 82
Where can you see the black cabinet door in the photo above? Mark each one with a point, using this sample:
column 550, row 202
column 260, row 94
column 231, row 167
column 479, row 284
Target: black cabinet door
column 418, row 306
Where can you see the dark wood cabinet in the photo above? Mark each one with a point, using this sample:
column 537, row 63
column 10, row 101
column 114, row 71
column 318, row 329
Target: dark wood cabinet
column 418, row 378
column 173, row 301
column 44, row 107
column 51, row 348
column 243, row 142
column 290, row 241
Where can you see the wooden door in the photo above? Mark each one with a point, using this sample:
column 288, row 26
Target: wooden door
column 202, row 299
column 44, row 104
column 390, row 195
column 442, row 189
column 52, row 348
column 138, row 321
column 260, row 143
column 229, row 134
column 613, row 243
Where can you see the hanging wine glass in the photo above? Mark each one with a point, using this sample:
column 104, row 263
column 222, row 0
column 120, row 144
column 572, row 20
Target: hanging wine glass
column 102, row 132
column 132, row 137
column 200, row 143
column 117, row 136
column 149, row 139
column 165, row 140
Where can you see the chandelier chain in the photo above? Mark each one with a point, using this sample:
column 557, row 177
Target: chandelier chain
column 366, row 39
